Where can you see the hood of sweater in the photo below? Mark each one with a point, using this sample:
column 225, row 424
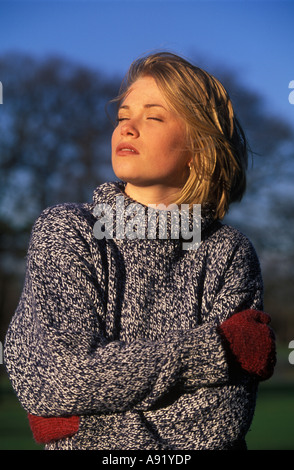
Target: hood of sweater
column 119, row 216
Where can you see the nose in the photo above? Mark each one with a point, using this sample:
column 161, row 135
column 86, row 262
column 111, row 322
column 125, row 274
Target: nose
column 129, row 129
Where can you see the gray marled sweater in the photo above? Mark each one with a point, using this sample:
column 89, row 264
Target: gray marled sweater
column 123, row 333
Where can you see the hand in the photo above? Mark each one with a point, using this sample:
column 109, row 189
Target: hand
column 46, row 429
column 251, row 342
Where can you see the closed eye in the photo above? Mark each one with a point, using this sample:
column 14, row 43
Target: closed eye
column 155, row 119
column 121, row 119
column 150, row 118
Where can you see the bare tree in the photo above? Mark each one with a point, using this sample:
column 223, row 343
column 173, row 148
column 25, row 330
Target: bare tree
column 54, row 147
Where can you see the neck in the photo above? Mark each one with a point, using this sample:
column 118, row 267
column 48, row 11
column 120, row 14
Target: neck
column 152, row 194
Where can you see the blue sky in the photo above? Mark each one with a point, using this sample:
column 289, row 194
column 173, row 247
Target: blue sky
column 253, row 38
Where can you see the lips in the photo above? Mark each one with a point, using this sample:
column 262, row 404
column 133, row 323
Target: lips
column 126, row 149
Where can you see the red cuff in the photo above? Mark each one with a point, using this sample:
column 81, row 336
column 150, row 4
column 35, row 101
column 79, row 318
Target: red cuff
column 46, row 429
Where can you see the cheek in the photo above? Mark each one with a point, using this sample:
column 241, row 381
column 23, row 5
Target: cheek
column 177, row 150
column 114, row 139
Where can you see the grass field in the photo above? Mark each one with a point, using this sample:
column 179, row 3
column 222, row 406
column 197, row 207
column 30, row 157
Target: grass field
column 15, row 433
column 272, row 427
column 273, row 423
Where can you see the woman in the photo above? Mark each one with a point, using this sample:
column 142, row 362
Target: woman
column 132, row 342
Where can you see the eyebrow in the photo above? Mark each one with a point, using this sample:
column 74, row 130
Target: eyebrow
column 124, row 106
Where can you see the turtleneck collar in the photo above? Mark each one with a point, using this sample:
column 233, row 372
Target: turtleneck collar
column 127, row 218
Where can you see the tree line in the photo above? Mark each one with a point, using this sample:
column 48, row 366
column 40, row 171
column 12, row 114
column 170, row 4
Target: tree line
column 55, row 147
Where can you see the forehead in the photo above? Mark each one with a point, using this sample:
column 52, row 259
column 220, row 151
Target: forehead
column 144, row 91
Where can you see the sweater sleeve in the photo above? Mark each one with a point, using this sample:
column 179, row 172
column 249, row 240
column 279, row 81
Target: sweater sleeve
column 238, row 283
column 237, row 286
column 56, row 351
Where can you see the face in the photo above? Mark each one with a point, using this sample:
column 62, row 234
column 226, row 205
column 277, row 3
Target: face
column 149, row 142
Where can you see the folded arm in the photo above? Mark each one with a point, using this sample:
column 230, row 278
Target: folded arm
column 57, row 353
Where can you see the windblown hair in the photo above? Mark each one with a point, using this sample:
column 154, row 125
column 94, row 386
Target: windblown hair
column 214, row 135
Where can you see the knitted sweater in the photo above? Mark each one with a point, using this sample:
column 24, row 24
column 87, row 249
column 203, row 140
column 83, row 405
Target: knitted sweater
column 123, row 333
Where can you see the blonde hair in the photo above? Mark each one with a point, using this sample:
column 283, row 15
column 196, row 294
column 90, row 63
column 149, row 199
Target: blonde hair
column 215, row 138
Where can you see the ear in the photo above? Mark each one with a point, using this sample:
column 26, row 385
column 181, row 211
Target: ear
column 190, row 163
